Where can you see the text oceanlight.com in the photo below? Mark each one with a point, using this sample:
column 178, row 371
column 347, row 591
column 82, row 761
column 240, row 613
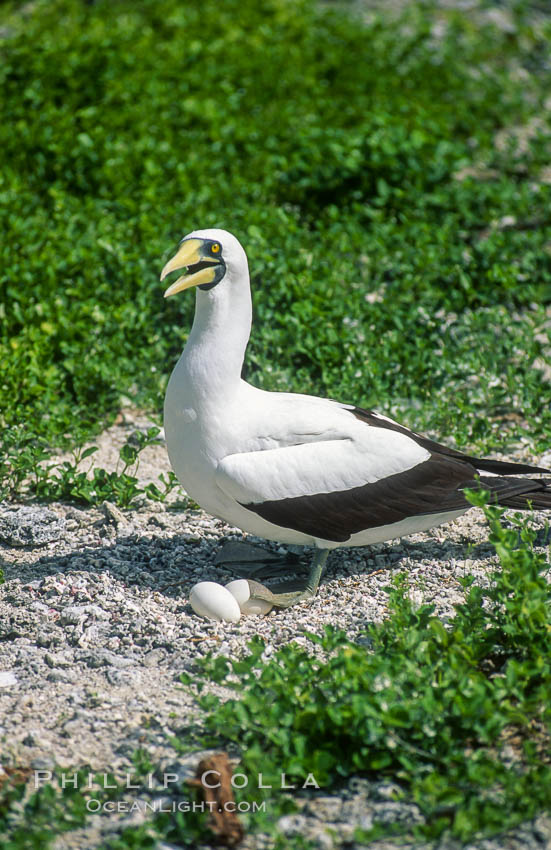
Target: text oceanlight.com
column 124, row 806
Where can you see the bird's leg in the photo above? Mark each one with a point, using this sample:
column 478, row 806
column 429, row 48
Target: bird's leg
column 316, row 570
column 285, row 600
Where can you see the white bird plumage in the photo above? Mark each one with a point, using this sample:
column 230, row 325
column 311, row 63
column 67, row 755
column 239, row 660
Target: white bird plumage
column 288, row 467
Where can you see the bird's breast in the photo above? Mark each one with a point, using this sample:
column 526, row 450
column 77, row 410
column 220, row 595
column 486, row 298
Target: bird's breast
column 198, row 436
column 188, row 415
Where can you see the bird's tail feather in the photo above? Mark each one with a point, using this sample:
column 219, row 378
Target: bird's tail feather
column 518, row 493
column 527, row 501
column 503, row 467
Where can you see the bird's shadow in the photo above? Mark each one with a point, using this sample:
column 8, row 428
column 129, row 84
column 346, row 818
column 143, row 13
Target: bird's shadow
column 170, row 566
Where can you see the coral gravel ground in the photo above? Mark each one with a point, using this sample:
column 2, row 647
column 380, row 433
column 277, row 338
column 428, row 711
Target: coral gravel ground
column 96, row 628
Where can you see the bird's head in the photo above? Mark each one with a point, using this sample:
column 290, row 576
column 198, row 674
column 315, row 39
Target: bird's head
column 208, row 256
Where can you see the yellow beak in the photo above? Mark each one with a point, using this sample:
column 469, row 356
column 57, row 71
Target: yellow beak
column 189, row 254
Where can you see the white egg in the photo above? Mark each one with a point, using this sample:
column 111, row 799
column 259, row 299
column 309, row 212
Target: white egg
column 241, row 591
column 214, row 602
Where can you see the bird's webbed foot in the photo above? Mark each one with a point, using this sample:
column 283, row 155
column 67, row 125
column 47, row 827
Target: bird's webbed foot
column 289, row 598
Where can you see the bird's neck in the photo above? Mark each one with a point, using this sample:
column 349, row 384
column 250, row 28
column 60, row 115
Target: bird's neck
column 214, row 353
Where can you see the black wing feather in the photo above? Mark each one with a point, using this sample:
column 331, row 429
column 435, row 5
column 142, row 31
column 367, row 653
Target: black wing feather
column 432, row 487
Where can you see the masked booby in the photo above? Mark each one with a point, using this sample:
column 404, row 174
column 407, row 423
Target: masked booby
column 296, row 468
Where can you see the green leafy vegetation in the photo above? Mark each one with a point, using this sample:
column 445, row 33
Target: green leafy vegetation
column 395, row 216
column 73, row 484
column 27, row 471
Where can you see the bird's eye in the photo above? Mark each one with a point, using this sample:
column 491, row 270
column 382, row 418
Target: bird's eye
column 215, row 248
